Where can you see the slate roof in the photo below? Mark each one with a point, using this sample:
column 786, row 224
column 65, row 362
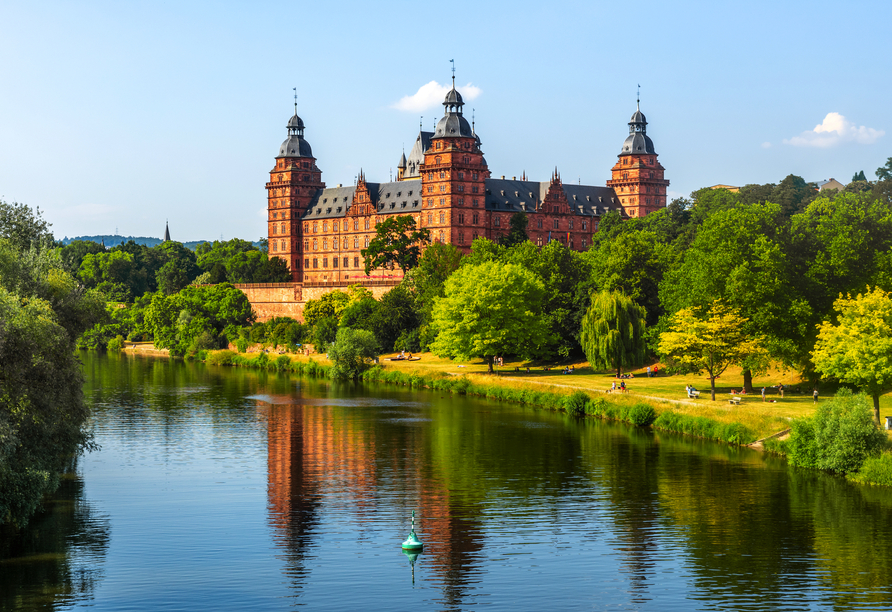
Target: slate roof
column 515, row 196
column 416, row 155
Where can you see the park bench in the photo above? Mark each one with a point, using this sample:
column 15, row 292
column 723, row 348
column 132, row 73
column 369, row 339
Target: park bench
column 735, row 400
column 693, row 394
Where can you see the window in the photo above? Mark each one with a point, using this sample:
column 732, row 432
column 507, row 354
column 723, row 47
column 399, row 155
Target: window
column 584, row 226
column 346, row 262
column 571, row 223
column 497, row 221
column 442, row 236
column 539, row 223
column 306, row 228
column 475, row 201
column 315, row 244
column 274, row 245
column 306, row 263
column 325, row 262
column 583, row 243
column 475, row 189
column 356, row 262
column 461, row 237
column 430, row 202
column 325, row 244
column 315, row 226
column 283, row 246
column 474, row 176
column 461, row 188
column 315, row 263
column 461, row 175
column 461, row 201
column 367, row 223
column 475, row 219
column 355, row 242
column 306, row 245
column 555, row 224
column 442, row 217
column 334, row 262
column 442, row 188
column 442, row 174
column 366, row 242
column 283, row 228
column 274, row 228
column 461, row 218
column 355, row 225
column 325, row 226
column 430, row 218
column 538, row 241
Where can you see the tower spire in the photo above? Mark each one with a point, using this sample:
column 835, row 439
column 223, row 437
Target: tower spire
column 452, row 61
column 295, row 99
column 638, row 98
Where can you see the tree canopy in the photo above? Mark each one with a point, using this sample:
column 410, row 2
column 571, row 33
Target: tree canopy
column 396, row 242
column 490, row 309
column 709, row 340
column 858, row 348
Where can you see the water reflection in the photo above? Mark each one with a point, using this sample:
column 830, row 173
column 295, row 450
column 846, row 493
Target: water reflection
column 58, row 561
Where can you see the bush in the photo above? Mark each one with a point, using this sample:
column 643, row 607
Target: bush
column 875, row 470
column 220, row 358
column 576, row 403
column 353, row 352
column 283, row 363
column 116, row 344
column 242, row 345
column 839, row 437
column 642, row 414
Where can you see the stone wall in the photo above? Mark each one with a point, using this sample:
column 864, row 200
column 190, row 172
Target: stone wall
column 288, row 299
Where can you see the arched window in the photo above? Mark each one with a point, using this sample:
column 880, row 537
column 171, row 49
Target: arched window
column 325, row 244
column 306, row 245
column 355, row 242
column 442, row 217
column 367, row 223
column 283, row 246
column 366, row 242
column 274, row 228
column 315, row 244
column 430, row 218
column 315, row 226
column 355, row 224
column 345, row 243
column 442, row 236
column 283, row 228
column 274, row 245
column 306, row 228
column 325, row 226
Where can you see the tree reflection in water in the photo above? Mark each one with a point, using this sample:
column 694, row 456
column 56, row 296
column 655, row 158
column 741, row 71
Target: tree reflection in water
column 57, row 560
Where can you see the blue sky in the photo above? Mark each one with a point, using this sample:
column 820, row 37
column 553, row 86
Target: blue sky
column 124, row 114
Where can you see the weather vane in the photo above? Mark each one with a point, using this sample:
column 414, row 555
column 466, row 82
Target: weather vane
column 295, row 99
column 452, row 61
column 638, row 98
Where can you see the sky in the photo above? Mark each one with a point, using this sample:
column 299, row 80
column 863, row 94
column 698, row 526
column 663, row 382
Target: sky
column 118, row 116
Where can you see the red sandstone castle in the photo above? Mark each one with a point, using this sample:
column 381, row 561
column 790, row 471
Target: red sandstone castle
column 445, row 184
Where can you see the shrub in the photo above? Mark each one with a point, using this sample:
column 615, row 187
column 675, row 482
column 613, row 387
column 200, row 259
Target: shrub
column 353, row 352
column 224, row 357
column 875, row 470
column 839, row 437
column 576, row 403
column 642, row 414
column 735, row 433
column 283, row 363
column 116, row 344
column 241, row 345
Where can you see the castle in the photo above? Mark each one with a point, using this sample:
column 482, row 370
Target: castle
column 446, row 186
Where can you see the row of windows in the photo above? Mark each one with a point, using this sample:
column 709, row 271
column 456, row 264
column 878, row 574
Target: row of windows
column 334, row 262
column 334, row 243
column 335, row 225
column 555, row 224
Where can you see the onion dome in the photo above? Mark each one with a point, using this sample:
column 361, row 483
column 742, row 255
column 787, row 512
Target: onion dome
column 637, row 142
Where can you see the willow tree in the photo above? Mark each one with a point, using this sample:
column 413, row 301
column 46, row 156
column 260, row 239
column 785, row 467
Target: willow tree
column 613, row 332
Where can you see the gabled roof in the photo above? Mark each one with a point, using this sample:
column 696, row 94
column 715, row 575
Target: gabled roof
column 416, row 155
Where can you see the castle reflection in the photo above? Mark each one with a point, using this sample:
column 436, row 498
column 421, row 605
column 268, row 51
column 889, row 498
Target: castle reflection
column 317, row 453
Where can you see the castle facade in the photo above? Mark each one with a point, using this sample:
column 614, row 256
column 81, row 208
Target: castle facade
column 446, row 186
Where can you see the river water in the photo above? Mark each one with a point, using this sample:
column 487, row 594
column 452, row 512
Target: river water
column 228, row 489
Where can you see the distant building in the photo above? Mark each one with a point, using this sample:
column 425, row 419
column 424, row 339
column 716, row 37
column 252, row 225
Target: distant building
column 730, row 188
column 446, row 186
column 830, row 183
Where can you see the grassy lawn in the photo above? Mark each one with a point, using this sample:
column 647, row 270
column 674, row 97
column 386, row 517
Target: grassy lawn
column 664, row 391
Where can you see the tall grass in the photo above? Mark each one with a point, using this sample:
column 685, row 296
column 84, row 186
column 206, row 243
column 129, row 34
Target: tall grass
column 261, row 361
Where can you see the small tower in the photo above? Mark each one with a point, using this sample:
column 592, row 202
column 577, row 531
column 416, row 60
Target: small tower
column 166, row 232
column 453, row 178
column 637, row 178
column 293, row 182
column 401, row 167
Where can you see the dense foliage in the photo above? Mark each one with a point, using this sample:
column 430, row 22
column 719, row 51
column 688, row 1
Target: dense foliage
column 43, row 309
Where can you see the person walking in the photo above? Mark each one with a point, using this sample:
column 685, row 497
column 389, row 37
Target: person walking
column 648, row 371
column 763, row 394
column 814, row 394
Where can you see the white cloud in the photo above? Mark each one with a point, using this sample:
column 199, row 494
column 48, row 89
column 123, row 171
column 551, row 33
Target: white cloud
column 766, row 145
column 834, row 130
column 431, row 95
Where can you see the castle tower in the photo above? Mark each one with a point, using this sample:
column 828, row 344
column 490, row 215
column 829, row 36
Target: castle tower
column 401, row 167
column 453, row 179
column 292, row 184
column 637, row 178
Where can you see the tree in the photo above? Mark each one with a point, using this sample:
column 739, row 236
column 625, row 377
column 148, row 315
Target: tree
column 613, row 332
column 858, row 349
column 396, row 242
column 490, row 309
column 517, row 230
column 43, row 309
column 885, row 173
column 395, row 314
column 23, row 227
column 353, row 351
column 709, row 341
column 859, row 176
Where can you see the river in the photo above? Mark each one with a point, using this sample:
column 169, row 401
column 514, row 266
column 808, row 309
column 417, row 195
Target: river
column 229, row 489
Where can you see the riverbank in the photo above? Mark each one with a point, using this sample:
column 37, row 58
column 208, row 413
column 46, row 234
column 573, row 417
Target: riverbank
column 741, row 423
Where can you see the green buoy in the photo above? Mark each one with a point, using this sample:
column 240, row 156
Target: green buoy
column 412, row 542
